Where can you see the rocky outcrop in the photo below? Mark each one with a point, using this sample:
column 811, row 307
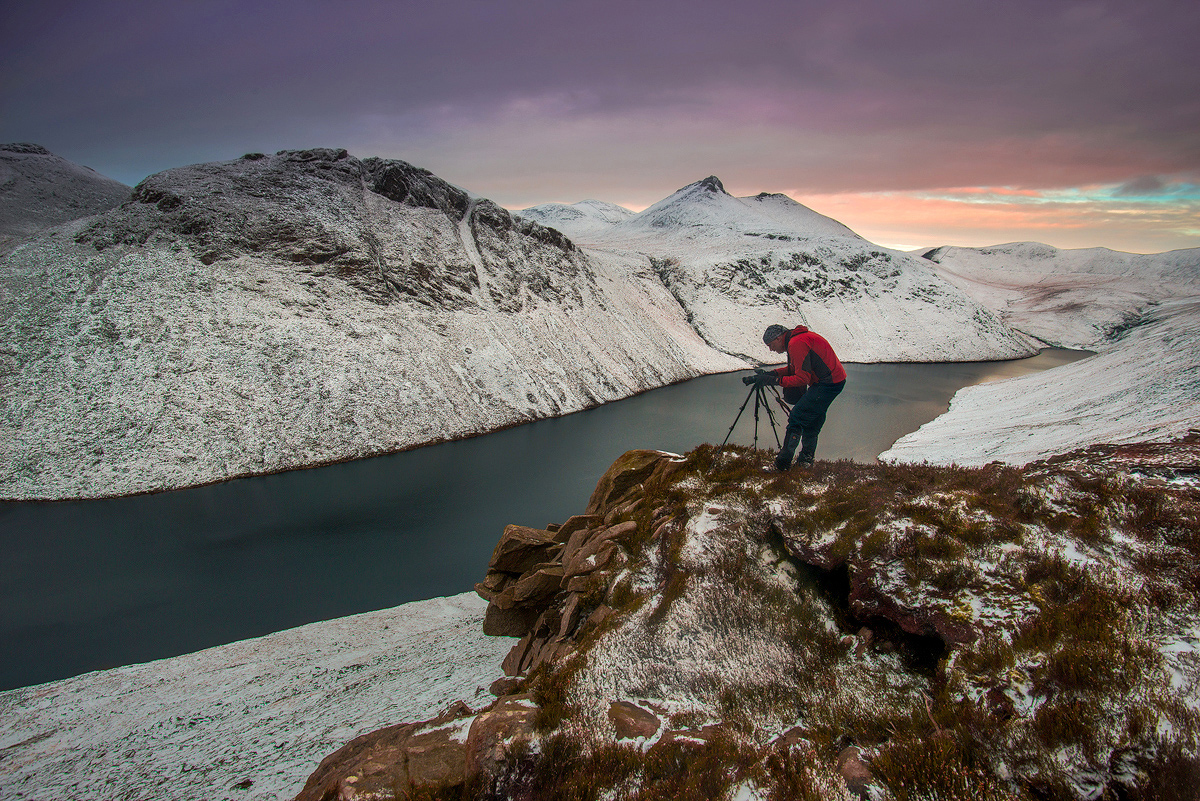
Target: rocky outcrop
column 549, row 587
column 906, row 628
column 455, row 750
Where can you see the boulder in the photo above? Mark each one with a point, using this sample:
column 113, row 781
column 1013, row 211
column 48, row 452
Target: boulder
column 623, row 533
column 627, row 472
column 589, row 585
column 520, row 548
column 930, row 620
column 540, row 584
column 578, row 540
column 854, row 771
column 577, row 523
column 594, row 555
column 414, row 756
column 495, row 735
column 511, row 622
column 632, row 721
column 505, row 685
column 517, row 656
column 493, row 585
column 684, row 739
column 570, row 615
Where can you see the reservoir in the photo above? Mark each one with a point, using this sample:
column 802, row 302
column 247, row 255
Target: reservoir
column 96, row 584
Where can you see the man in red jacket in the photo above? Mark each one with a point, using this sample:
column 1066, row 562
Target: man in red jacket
column 814, row 372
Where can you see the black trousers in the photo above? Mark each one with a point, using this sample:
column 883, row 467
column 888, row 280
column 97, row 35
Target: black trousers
column 807, row 417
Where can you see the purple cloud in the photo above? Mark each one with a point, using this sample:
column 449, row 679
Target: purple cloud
column 538, row 100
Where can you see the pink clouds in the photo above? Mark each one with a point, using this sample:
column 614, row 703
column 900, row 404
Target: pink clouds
column 976, row 216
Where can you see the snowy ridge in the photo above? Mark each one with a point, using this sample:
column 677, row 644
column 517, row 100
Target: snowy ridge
column 1068, row 298
column 577, row 219
column 263, row 711
column 1143, row 387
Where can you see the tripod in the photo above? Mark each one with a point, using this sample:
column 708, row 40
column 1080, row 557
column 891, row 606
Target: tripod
column 759, row 393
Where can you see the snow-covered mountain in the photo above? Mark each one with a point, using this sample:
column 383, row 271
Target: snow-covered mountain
column 1069, row 298
column 39, row 189
column 577, row 220
column 738, row 265
column 282, row 311
column 1141, row 313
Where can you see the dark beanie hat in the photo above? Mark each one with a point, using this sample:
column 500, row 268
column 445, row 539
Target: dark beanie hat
column 772, row 333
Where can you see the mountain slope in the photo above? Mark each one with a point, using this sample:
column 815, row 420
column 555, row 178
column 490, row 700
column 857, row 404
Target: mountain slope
column 1070, row 298
column 39, row 189
column 1141, row 386
column 282, row 311
column 738, row 265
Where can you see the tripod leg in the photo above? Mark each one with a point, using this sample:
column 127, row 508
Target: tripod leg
column 739, row 417
column 757, row 402
column 771, row 417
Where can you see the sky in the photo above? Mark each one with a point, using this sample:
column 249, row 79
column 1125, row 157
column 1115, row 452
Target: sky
column 915, row 122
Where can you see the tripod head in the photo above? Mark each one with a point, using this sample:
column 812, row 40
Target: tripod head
column 760, row 378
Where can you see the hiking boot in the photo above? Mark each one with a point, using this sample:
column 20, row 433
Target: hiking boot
column 804, row 461
column 782, row 463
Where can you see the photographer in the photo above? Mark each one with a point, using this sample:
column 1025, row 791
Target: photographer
column 811, row 380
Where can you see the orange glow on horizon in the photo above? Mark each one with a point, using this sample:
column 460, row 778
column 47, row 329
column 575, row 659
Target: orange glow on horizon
column 983, row 216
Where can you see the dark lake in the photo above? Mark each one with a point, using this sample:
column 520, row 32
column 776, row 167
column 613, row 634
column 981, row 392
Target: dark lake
column 96, row 584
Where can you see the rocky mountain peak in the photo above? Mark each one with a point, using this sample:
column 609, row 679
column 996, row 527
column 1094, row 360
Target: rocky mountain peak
column 712, row 184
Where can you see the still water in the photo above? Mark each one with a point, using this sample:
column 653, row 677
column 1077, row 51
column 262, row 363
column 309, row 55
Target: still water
column 95, row 584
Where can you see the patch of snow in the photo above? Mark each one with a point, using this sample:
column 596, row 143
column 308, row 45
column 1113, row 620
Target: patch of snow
column 266, row 710
column 1143, row 387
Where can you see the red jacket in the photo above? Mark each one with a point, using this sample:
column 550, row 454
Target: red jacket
column 811, row 360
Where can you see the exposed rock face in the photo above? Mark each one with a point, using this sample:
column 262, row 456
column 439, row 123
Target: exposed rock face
column 456, row 750
column 325, row 207
column 550, row 587
column 413, row 756
column 39, row 190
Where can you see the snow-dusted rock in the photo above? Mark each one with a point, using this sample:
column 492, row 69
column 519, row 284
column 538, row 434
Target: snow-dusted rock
column 39, row 190
column 282, row 311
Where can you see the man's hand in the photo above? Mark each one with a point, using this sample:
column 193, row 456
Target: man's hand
column 761, row 378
